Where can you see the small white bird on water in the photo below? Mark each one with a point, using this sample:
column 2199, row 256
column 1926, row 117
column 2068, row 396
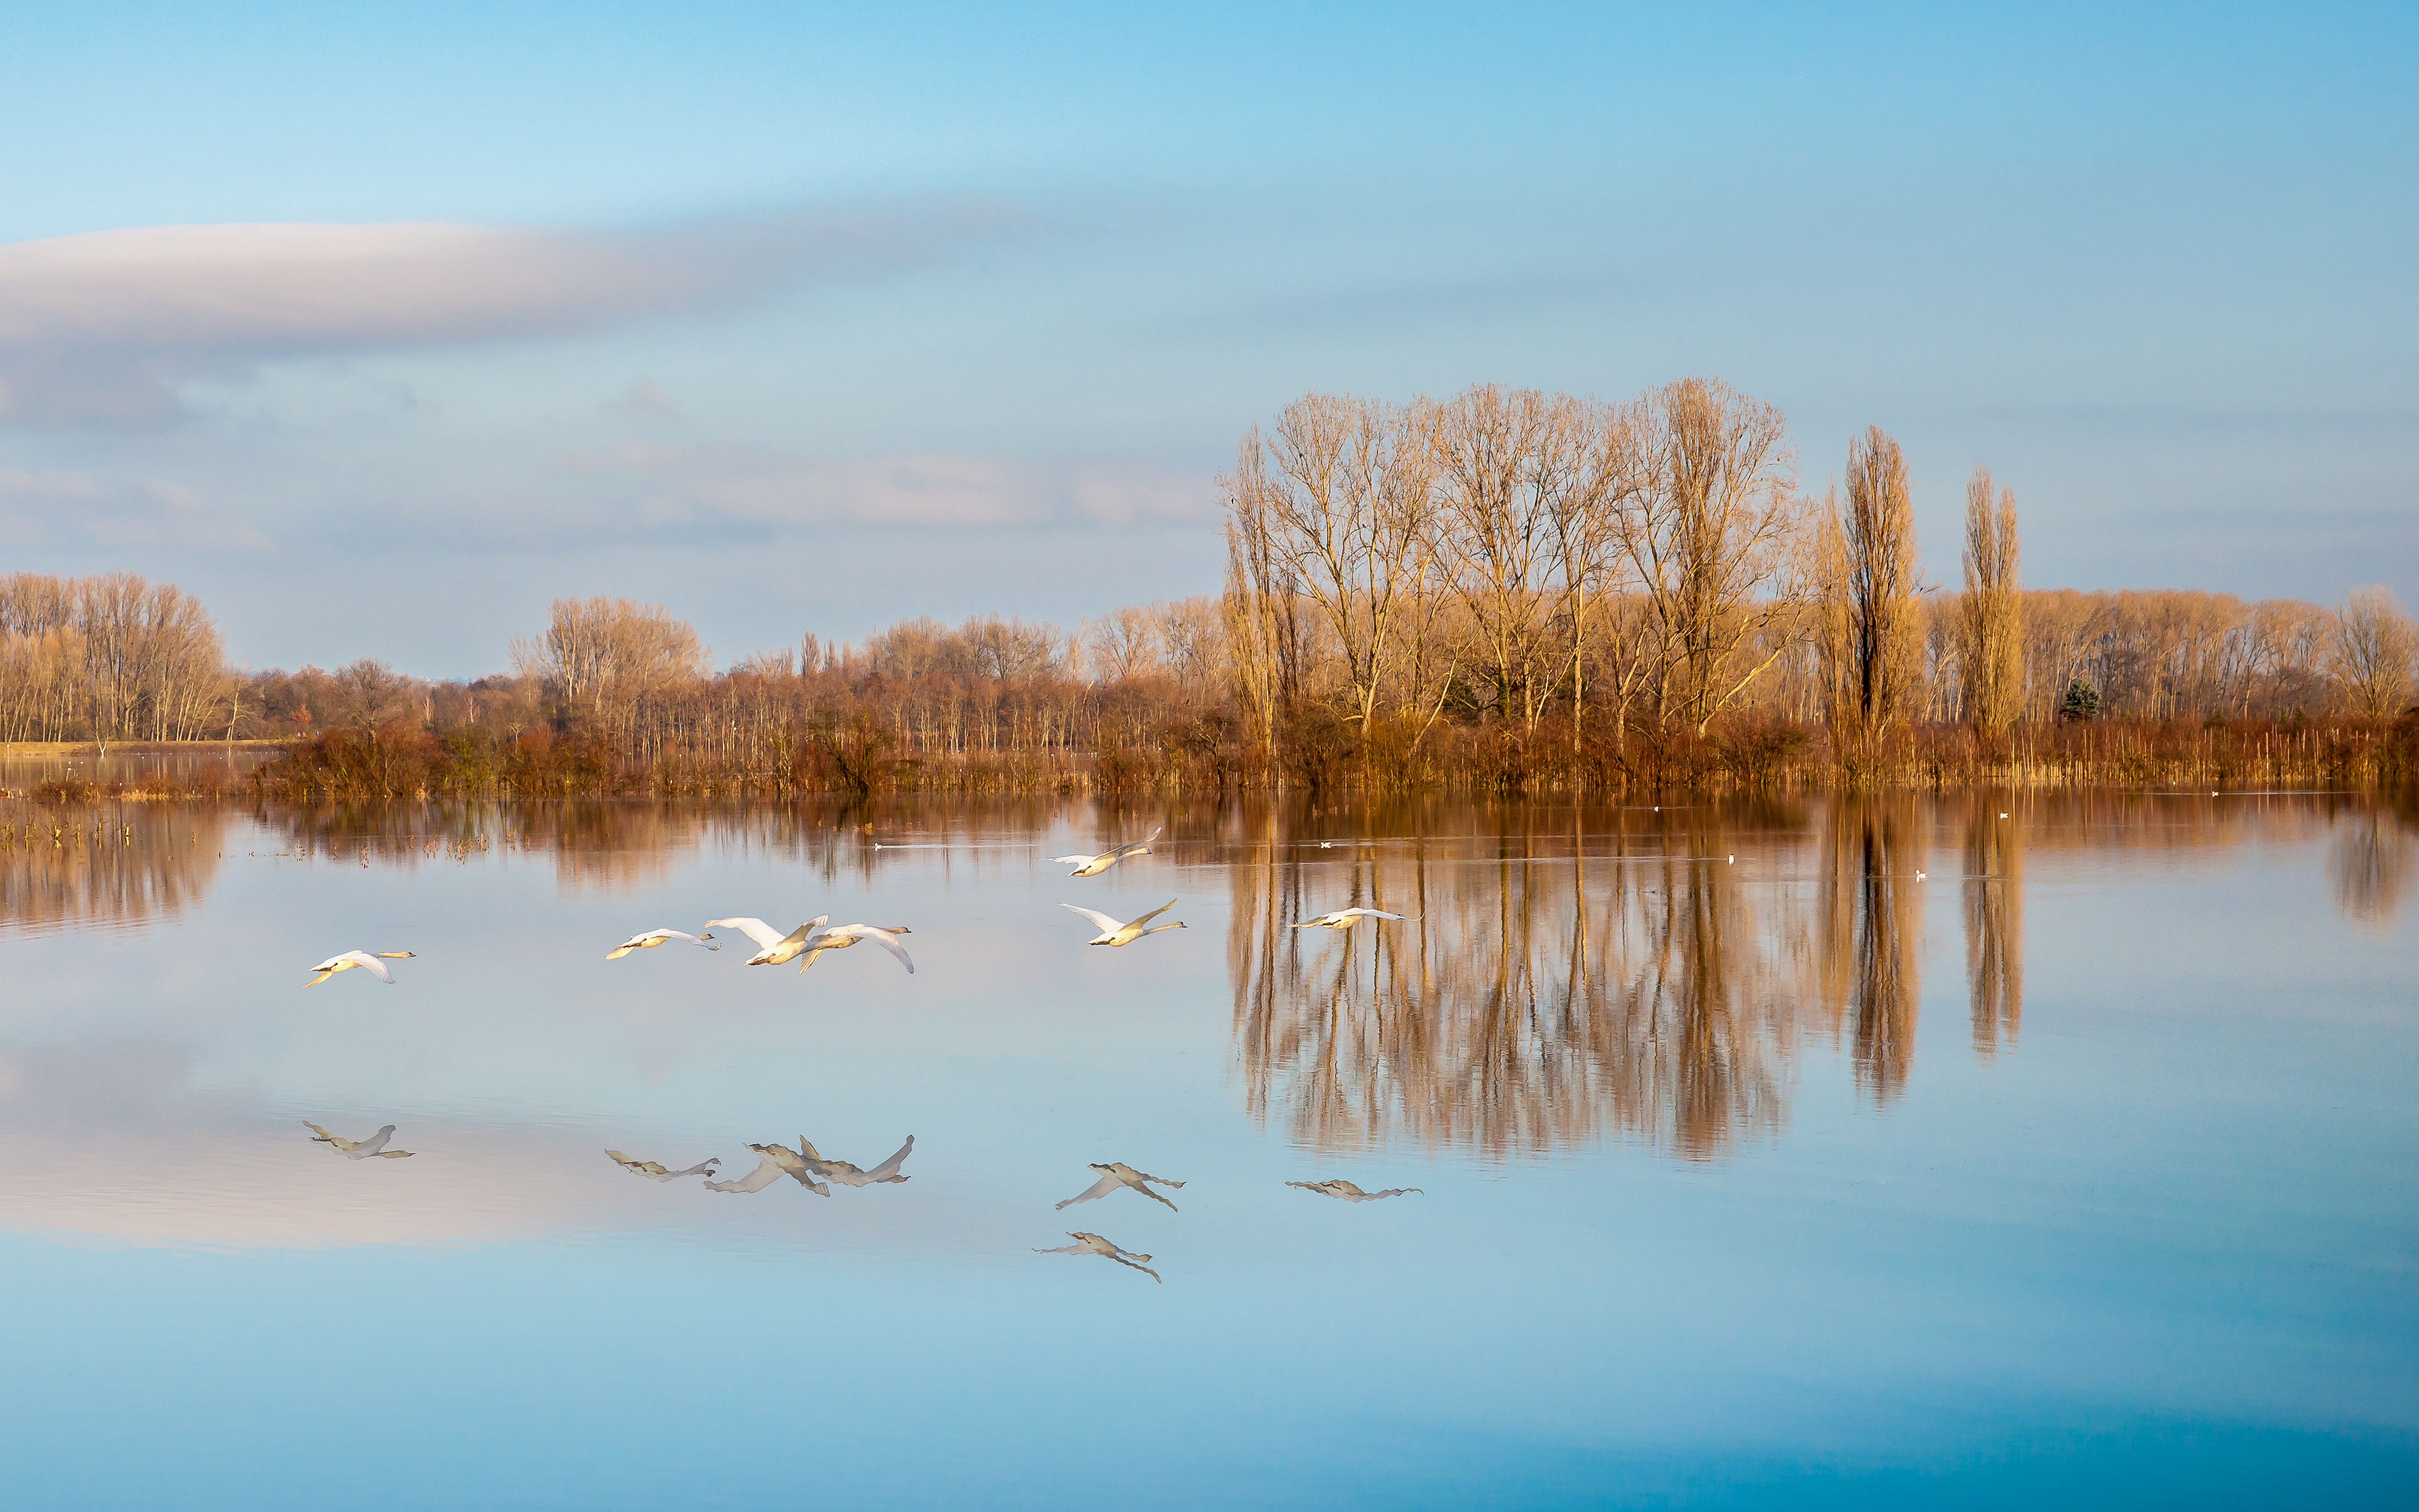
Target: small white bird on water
column 1346, row 917
column 774, row 1161
column 1115, row 1174
column 1113, row 932
column 1344, row 1191
column 654, row 937
column 1107, row 1249
column 373, row 964
column 655, row 1171
column 1093, row 866
column 358, row 1148
column 848, row 1175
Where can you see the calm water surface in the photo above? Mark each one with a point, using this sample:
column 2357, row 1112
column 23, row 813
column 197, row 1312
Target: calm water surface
column 1993, row 1151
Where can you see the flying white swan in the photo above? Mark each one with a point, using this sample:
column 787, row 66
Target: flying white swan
column 847, row 1175
column 358, row 1148
column 773, row 947
column 1095, row 1245
column 811, row 939
column 654, row 937
column 841, row 936
column 775, row 1161
column 1117, row 1174
column 373, row 964
column 1346, row 917
column 1113, row 932
column 1093, row 866
column 654, row 1171
column 1340, row 1188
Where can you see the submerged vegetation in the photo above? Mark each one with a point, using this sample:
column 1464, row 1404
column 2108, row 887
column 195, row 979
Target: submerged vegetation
column 1506, row 590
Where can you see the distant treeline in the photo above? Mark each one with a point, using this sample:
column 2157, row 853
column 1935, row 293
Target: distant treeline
column 1503, row 590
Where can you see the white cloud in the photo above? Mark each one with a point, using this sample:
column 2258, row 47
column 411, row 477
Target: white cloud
column 102, row 327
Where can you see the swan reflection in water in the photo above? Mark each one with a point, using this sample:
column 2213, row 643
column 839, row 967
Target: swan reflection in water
column 1107, row 1249
column 1346, row 917
column 848, row 1175
column 654, row 1170
column 1093, row 866
column 373, row 963
column 1338, row 1187
column 358, row 1148
column 654, row 937
column 776, row 1161
column 1117, row 1174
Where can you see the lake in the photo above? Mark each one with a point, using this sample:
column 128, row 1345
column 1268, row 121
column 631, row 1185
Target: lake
column 2000, row 1148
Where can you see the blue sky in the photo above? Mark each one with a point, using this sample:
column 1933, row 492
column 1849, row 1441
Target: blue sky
column 381, row 330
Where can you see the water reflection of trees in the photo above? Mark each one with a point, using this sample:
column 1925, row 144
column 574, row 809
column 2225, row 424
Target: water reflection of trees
column 1570, row 978
column 2369, row 867
column 1869, row 909
column 1994, row 900
column 104, row 863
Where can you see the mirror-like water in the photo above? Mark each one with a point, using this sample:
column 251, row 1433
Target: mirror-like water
column 1985, row 1149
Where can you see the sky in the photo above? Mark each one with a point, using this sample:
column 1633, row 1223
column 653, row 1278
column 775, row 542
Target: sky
column 380, row 328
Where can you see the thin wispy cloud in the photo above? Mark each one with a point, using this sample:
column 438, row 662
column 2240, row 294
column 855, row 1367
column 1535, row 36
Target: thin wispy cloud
column 104, row 328
column 74, row 508
column 737, row 489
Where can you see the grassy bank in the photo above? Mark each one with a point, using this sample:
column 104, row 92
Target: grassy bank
column 1204, row 755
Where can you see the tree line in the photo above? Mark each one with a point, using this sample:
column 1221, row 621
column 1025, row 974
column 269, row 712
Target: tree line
column 1505, row 588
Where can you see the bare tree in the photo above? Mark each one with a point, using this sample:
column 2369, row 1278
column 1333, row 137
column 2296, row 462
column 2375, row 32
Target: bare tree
column 2374, row 647
column 1873, row 628
column 1263, row 595
column 1123, row 644
column 1610, row 475
column 1714, row 538
column 1506, row 461
column 606, row 656
column 1337, row 500
column 1991, row 657
column 374, row 693
column 1192, row 636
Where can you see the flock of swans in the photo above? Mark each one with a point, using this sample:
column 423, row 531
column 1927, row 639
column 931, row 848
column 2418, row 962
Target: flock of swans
column 805, row 1165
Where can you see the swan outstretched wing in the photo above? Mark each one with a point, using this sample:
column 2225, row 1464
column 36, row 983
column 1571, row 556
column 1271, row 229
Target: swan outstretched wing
column 888, row 941
column 1074, row 860
column 764, row 934
column 803, row 932
column 889, row 1169
column 1154, row 913
column 1100, row 1188
column 1106, row 924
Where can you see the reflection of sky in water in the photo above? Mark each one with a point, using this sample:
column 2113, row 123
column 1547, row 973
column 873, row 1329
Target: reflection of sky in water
column 2081, row 1167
